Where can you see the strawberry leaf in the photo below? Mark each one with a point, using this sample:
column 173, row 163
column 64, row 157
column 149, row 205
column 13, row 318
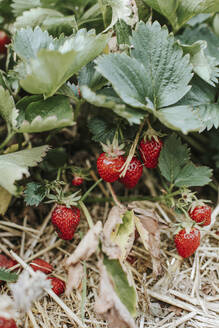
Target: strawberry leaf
column 124, row 234
column 38, row 115
column 14, row 166
column 108, row 98
column 21, row 5
column 48, row 19
column 58, row 59
column 176, row 167
column 122, row 287
column 34, row 193
column 7, row 108
column 101, row 130
column 180, row 11
column 191, row 176
column 157, row 74
column 7, row 275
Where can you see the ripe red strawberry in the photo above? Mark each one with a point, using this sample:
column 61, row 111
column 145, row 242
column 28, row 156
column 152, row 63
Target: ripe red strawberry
column 7, row 323
column 77, row 181
column 4, row 40
column 41, row 265
column 201, row 214
column 65, row 221
column 187, row 243
column 150, row 151
column 58, row 286
column 109, row 166
column 133, row 173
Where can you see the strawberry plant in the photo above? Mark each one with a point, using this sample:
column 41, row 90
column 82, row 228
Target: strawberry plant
column 106, row 103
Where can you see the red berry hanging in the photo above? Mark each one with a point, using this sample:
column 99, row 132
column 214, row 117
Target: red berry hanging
column 201, row 214
column 65, row 220
column 4, row 40
column 187, row 242
column 133, row 173
column 150, row 151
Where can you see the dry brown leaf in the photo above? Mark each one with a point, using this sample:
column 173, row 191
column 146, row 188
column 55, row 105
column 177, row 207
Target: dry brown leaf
column 85, row 249
column 108, row 304
column 114, row 219
column 148, row 228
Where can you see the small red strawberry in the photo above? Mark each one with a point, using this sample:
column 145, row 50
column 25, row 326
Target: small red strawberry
column 7, row 323
column 4, row 40
column 150, row 151
column 65, row 220
column 77, row 181
column 58, row 286
column 187, row 243
column 133, row 173
column 41, row 265
column 201, row 214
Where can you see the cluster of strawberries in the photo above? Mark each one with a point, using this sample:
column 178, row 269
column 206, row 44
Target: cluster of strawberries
column 109, row 164
column 188, row 241
column 58, row 286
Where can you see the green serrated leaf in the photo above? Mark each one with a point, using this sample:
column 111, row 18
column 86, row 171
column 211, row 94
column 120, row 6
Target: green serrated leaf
column 13, row 166
column 125, row 292
column 123, row 235
column 156, row 76
column 34, row 193
column 50, row 63
column 202, row 32
column 91, row 78
column 8, row 276
column 107, row 98
column 191, row 176
column 47, row 19
column 128, row 77
column 196, row 111
column 180, row 118
column 7, row 108
column 38, row 115
column 176, row 167
column 180, row 11
column 167, row 71
column 173, row 157
column 204, row 66
column 21, row 5
column 101, row 130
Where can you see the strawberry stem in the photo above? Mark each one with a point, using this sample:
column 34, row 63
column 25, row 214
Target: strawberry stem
column 132, row 149
column 115, row 199
column 90, row 189
column 87, row 214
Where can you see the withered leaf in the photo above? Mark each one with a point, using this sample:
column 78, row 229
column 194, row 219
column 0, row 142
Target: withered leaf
column 109, row 304
column 85, row 249
column 148, row 228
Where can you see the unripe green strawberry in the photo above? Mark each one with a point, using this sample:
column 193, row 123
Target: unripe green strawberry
column 201, row 214
column 150, row 151
column 65, row 221
column 109, row 167
column 41, row 265
column 58, row 286
column 187, row 243
column 133, row 173
column 7, row 323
